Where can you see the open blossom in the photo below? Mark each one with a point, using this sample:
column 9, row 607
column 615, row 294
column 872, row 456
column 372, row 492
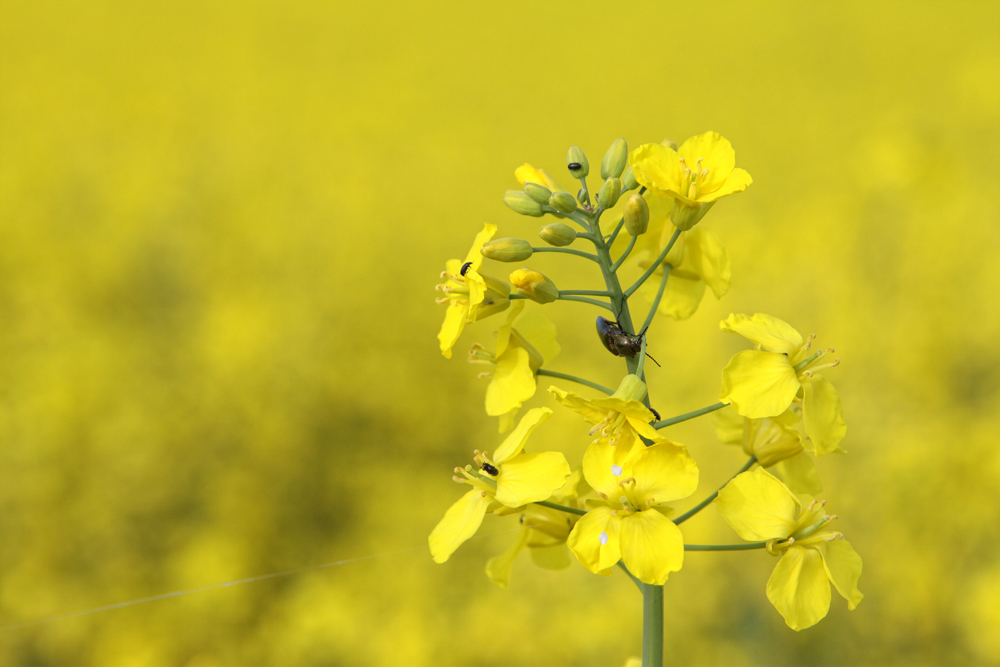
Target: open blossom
column 760, row 508
column 509, row 480
column 764, row 382
column 528, row 174
column 524, row 342
column 470, row 295
column 544, row 535
column 629, row 522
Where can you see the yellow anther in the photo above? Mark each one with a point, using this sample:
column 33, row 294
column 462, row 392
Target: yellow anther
column 484, row 374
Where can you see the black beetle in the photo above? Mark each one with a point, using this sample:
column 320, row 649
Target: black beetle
column 618, row 341
column 465, row 268
column 490, row 470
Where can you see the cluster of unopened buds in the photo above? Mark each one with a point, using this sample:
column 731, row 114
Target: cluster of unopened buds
column 613, row 510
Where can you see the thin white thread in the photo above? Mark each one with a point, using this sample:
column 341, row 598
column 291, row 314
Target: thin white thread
column 224, row 584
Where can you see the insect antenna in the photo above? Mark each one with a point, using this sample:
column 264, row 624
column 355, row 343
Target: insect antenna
column 654, row 360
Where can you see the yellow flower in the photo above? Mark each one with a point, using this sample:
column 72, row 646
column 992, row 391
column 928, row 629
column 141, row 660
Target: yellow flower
column 697, row 259
column 528, row 174
column 618, row 418
column 544, row 536
column 630, row 522
column 470, row 295
column 760, row 508
column 775, row 442
column 702, row 170
column 508, row 481
column 524, row 343
column 764, row 382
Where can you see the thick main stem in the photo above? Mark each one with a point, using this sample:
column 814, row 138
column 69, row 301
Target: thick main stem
column 652, row 626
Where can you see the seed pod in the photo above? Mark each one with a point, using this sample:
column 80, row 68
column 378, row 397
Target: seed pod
column 539, row 193
column 507, row 250
column 534, row 285
column 563, row 202
column 609, row 193
column 576, row 162
column 519, row 202
column 558, row 234
column 614, row 160
column 628, row 180
column 636, row 215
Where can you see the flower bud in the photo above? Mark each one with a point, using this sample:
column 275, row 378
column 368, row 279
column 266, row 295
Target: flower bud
column 521, row 203
column 576, row 162
column 507, row 250
column 581, row 196
column 636, row 215
column 628, row 180
column 496, row 299
column 534, row 285
column 631, row 389
column 558, row 234
column 614, row 160
column 539, row 193
column 685, row 217
column 563, row 202
column 669, row 143
column 609, row 193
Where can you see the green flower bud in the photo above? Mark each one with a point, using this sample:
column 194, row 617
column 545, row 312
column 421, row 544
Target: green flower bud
column 636, row 215
column 534, row 285
column 495, row 300
column 558, row 234
column 631, row 389
column 669, row 143
column 685, row 217
column 628, row 180
column 563, row 202
column 614, row 160
column 581, row 196
column 576, row 162
column 539, row 193
column 521, row 203
column 609, row 193
column 507, row 250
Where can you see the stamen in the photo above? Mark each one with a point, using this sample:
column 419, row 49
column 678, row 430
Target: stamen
column 484, row 374
column 442, row 300
column 703, row 174
column 630, row 480
column 809, row 341
column 698, row 162
column 623, row 500
column 602, row 496
column 683, row 163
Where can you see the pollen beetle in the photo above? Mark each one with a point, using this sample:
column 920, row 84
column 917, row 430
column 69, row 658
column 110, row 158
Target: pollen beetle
column 465, row 268
column 490, row 470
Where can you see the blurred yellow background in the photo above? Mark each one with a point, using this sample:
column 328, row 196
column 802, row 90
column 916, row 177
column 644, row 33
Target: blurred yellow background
column 221, row 229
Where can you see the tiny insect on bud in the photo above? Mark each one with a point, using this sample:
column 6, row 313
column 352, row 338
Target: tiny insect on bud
column 507, row 250
column 539, row 193
column 519, row 202
column 636, row 215
column 576, row 162
column 558, row 234
column 614, row 160
column 609, row 193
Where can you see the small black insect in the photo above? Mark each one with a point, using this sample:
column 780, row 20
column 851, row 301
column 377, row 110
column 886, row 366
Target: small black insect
column 465, row 268
column 655, row 413
column 490, row 470
column 573, row 166
column 618, row 341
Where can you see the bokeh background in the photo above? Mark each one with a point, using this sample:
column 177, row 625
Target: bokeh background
column 221, row 228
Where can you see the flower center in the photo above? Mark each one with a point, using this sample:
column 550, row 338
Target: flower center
column 692, row 179
column 454, row 288
column 482, row 477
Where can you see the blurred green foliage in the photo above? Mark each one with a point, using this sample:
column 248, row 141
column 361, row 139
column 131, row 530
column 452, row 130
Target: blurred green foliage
column 221, row 228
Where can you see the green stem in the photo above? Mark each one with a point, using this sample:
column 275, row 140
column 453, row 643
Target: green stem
column 561, row 508
column 568, row 251
column 585, row 292
column 659, row 295
column 703, row 504
column 652, row 626
column 688, row 415
column 642, row 357
column 586, row 235
column 618, row 262
column 652, row 267
column 614, row 234
column 725, row 547
column 573, row 378
column 583, row 299
column 583, row 182
column 514, row 297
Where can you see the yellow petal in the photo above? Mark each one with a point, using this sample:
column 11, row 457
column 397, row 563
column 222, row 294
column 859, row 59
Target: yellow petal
column 758, row 506
column 498, row 568
column 503, row 332
column 651, row 546
column 799, row 474
column 664, row 471
column 843, row 565
column 514, row 443
column 759, row 384
column 460, row 522
column 717, row 155
column 580, row 405
column 822, row 414
column 770, row 333
column 728, row 426
column 551, row 558
column 528, row 174
column 656, row 167
column 681, row 296
column 482, row 237
column 738, row 181
column 799, row 588
column 451, row 328
column 507, row 420
column 594, row 540
column 539, row 332
column 513, row 383
column 604, row 470
column 528, row 478
column 709, row 259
